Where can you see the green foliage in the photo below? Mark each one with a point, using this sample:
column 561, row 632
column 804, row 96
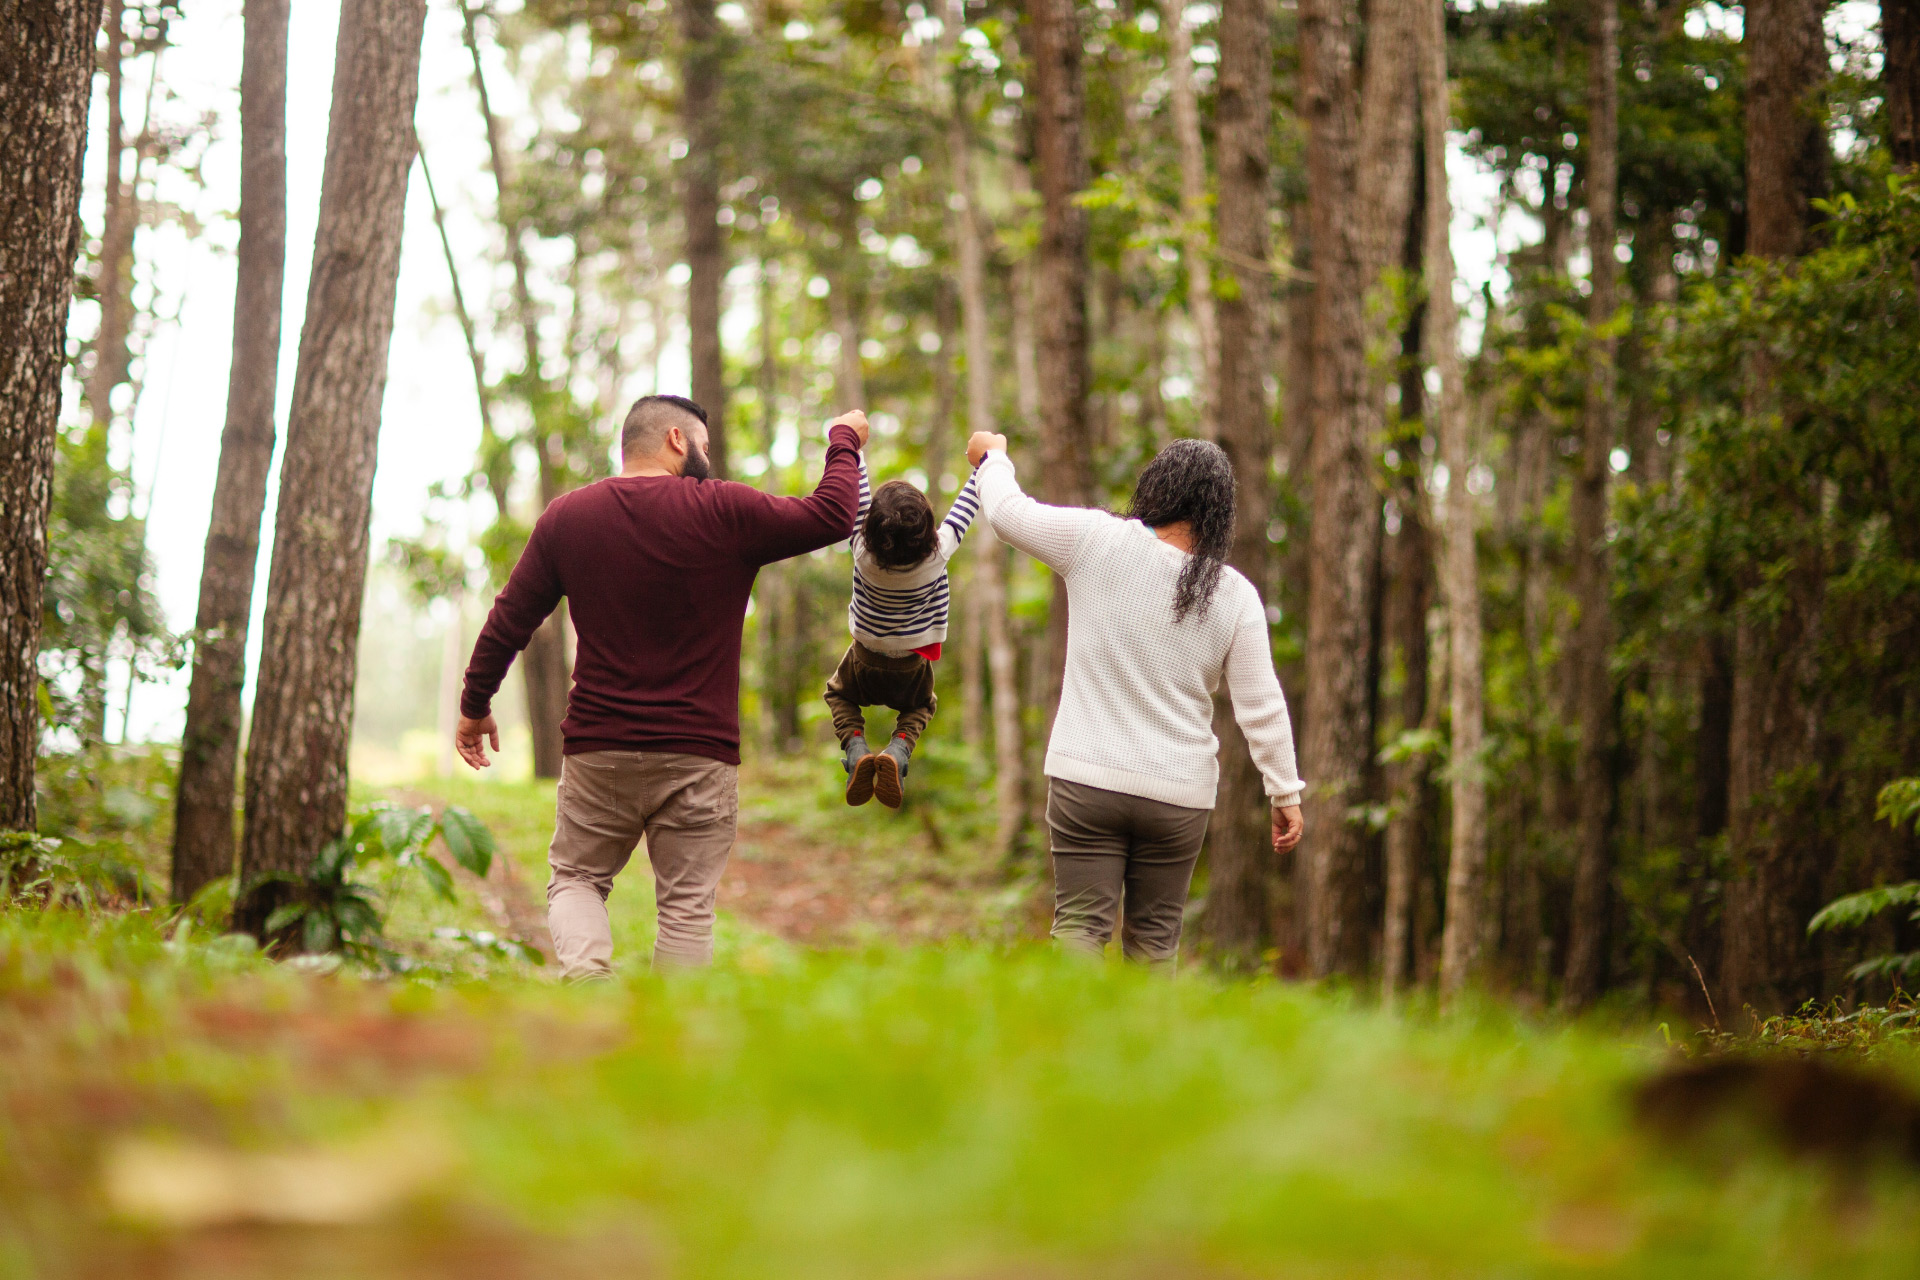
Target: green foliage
column 329, row 909
column 1899, row 803
column 1889, row 1031
column 99, row 601
column 1857, row 908
column 105, row 824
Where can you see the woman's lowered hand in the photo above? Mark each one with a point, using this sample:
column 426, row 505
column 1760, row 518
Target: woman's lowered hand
column 1287, row 827
column 982, row 443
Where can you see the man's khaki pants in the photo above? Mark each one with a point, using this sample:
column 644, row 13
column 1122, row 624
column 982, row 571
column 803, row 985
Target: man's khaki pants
column 686, row 807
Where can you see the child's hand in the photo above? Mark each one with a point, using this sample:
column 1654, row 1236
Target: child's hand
column 983, row 442
column 855, row 418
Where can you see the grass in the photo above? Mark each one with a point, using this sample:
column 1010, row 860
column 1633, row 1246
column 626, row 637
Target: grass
column 958, row 1111
column 974, row 1109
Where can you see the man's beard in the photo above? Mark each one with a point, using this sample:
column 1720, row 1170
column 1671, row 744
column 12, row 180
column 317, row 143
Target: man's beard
column 696, row 466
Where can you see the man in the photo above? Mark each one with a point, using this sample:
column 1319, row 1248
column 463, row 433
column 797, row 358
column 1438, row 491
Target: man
column 656, row 564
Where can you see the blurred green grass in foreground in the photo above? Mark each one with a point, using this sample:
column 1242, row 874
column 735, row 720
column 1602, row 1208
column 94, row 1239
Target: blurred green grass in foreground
column 931, row 1112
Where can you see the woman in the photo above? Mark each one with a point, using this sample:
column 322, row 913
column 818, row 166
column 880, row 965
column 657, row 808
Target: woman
column 1157, row 618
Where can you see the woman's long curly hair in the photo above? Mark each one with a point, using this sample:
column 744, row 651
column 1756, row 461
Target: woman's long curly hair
column 1191, row 480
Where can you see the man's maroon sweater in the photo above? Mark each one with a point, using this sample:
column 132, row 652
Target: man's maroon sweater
column 656, row 571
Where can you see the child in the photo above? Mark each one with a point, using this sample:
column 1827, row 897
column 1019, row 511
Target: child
column 898, row 617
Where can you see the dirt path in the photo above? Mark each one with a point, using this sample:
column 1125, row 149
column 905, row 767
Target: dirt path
column 802, row 891
column 823, row 896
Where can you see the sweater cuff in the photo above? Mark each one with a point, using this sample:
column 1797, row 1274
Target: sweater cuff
column 1282, row 799
column 851, row 440
column 473, row 706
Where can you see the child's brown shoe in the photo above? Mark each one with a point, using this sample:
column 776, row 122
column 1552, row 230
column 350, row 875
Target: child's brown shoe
column 890, row 771
column 860, row 764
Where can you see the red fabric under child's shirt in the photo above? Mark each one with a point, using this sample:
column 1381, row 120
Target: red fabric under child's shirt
column 931, row 652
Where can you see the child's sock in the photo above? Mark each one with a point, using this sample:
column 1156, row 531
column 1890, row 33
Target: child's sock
column 861, row 765
column 890, row 771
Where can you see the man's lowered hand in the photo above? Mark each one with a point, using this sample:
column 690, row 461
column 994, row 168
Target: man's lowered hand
column 472, row 737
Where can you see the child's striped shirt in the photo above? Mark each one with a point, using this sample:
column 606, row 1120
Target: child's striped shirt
column 898, row 611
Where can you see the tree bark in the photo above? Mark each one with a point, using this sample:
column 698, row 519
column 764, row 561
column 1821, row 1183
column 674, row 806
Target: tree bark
column 296, row 781
column 1060, row 284
column 544, row 664
column 203, row 835
column 46, row 82
column 700, row 71
column 1594, row 783
column 1460, row 571
column 1196, row 244
column 1900, row 80
column 1772, row 718
column 1384, row 173
column 1787, row 160
column 1336, row 748
column 1240, row 857
column 1772, row 859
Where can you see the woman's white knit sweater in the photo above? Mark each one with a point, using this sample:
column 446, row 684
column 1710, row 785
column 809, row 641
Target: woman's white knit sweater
column 1136, row 712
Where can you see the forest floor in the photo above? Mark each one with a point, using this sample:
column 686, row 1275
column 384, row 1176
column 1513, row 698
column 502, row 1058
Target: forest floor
column 805, row 869
column 883, row 1075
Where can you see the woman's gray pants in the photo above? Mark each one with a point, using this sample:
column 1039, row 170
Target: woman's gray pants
column 1116, row 854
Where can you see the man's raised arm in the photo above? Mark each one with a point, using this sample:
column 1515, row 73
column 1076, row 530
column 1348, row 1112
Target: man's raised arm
column 532, row 592
column 775, row 528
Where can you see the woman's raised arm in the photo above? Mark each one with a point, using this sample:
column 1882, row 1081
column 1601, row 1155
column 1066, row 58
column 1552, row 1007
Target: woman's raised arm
column 1050, row 535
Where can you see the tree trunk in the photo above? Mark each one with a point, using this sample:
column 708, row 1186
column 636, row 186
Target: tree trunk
column 203, row 836
column 700, row 71
column 120, row 217
column 1713, row 737
column 1336, row 748
column 1594, row 785
column 990, row 557
column 46, row 83
column 849, row 378
column 973, row 655
column 971, row 288
column 296, row 781
column 1900, row 80
column 1033, row 677
column 1060, row 284
column 774, row 593
column 483, row 394
column 1772, row 855
column 1195, row 242
column 548, row 677
column 1787, row 159
column 1384, row 176
column 1240, row 856
column 1411, row 563
column 1460, row 571
column 544, row 664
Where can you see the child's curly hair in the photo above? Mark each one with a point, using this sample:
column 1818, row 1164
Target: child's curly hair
column 899, row 530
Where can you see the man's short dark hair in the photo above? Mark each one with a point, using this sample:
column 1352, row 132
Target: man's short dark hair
column 648, row 422
column 899, row 529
